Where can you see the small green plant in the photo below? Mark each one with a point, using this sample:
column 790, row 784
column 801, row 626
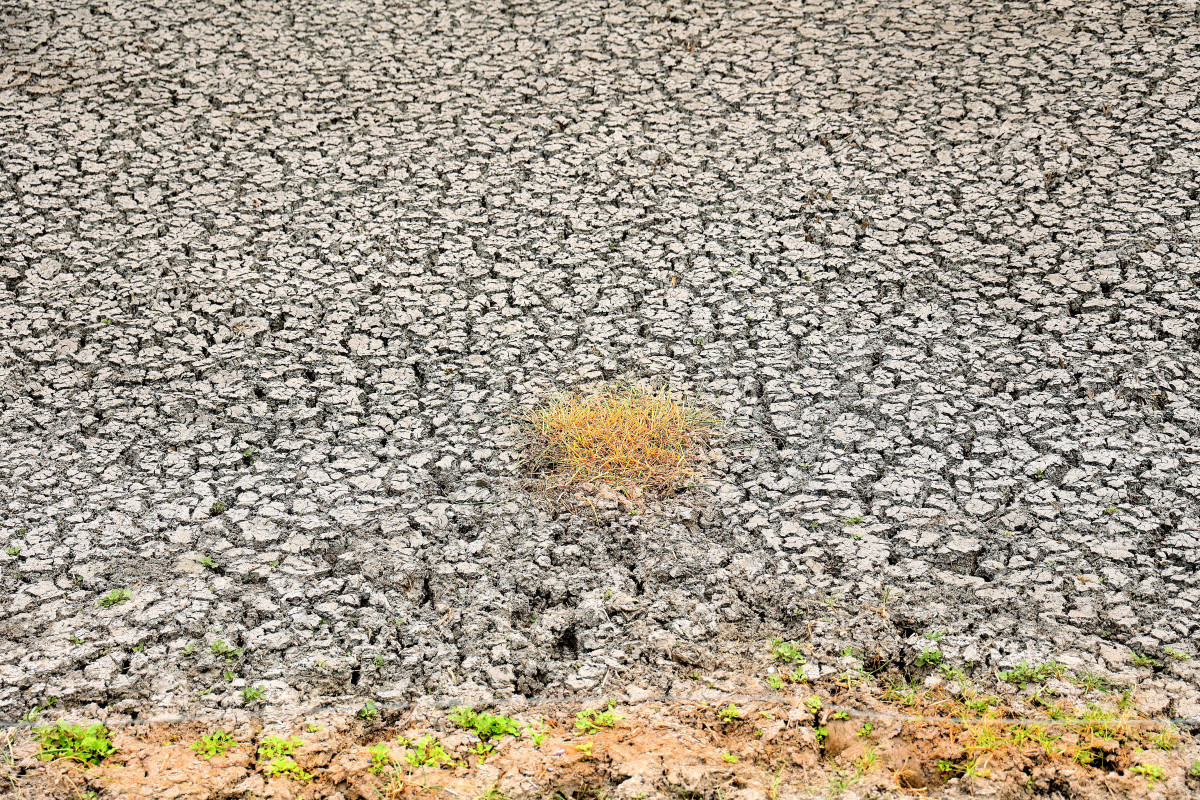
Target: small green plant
column 217, row 509
column 930, row 657
column 813, row 704
column 952, row 673
column 1167, row 738
column 1092, row 681
column 867, row 761
column 775, row 682
column 1110, row 510
column 822, row 734
column 426, row 752
column 1144, row 660
column 1025, row 673
column 368, row 711
column 935, row 635
column 87, row 744
column 1173, row 653
column 254, row 694
column 34, row 713
column 189, row 649
column 729, row 758
column 1151, row 772
column 485, row 726
column 865, row 731
column 589, row 721
column 223, row 649
column 856, row 519
column 275, row 758
column 248, row 456
column 13, row 551
column 980, row 704
column 217, row 743
column 787, row 652
column 585, row 748
column 538, row 735
column 729, row 713
column 970, row 769
column 841, row 715
column 313, row 727
column 115, row 598
column 1195, row 769
column 379, row 662
column 381, row 758
column 208, row 563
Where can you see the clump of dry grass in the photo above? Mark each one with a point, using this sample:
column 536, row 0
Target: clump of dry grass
column 633, row 440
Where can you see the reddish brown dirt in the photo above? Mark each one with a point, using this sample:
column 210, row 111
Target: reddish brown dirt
column 776, row 747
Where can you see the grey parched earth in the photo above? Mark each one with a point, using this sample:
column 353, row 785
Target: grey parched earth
column 935, row 262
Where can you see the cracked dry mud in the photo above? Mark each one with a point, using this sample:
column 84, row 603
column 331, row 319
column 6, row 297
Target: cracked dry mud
column 935, row 263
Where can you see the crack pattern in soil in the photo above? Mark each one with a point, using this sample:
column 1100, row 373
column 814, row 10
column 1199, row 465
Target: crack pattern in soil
column 278, row 283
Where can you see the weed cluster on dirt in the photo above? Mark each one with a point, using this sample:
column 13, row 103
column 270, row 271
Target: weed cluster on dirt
column 87, row 744
column 633, row 440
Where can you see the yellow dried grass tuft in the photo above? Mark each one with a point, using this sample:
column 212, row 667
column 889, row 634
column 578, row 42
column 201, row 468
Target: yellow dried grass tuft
column 634, row 440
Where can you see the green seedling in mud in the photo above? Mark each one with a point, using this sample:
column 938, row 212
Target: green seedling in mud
column 254, row 694
column 1092, row 681
column 34, row 713
column 787, row 652
column 590, row 720
column 1150, row 772
column 929, row 658
column 86, row 744
column 381, row 758
column 1167, row 738
column 1143, row 660
column 730, row 713
column 115, row 598
column 485, row 726
column 539, row 733
column 368, row 712
column 952, row 673
column 426, row 752
column 1025, row 673
column 221, row 648
column 275, row 758
column 217, row 743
